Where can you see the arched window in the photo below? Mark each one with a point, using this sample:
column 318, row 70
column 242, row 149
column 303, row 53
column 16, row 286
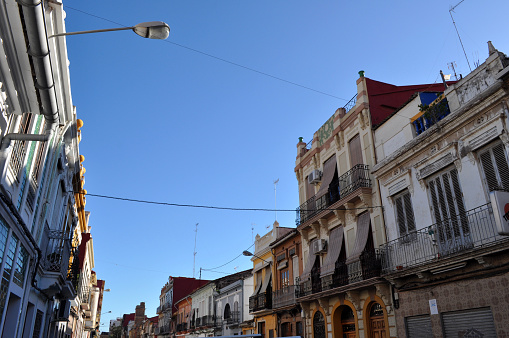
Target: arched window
column 227, row 311
column 318, row 325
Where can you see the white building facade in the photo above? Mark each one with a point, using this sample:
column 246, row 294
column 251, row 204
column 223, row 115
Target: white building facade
column 441, row 160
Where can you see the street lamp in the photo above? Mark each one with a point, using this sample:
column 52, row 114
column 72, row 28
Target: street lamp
column 152, row 30
column 248, row 254
column 106, row 312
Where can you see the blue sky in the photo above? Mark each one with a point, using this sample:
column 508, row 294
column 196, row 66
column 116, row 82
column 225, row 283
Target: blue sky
column 171, row 121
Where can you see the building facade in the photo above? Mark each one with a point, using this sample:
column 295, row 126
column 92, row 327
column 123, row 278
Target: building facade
column 287, row 256
column 340, row 219
column 443, row 176
column 260, row 302
column 39, row 166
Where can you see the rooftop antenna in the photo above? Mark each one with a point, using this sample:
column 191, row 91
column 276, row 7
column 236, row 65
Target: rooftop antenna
column 252, row 232
column 275, row 197
column 454, row 23
column 194, row 253
column 451, row 65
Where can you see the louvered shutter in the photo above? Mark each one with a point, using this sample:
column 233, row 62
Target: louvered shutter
column 469, row 323
column 400, row 215
column 489, row 170
column 503, row 168
column 418, row 327
column 409, row 213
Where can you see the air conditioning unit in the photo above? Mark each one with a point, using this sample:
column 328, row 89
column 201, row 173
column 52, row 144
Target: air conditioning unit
column 314, row 177
column 319, row 246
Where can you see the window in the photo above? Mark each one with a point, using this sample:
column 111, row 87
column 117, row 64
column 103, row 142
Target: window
column 285, row 278
column 495, row 168
column 404, row 214
column 449, row 212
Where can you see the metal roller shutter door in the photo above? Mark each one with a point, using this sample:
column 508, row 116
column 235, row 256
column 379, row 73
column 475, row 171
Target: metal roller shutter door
column 473, row 322
column 418, row 327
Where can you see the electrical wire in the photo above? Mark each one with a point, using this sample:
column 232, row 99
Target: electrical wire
column 220, row 266
column 217, row 57
column 214, row 207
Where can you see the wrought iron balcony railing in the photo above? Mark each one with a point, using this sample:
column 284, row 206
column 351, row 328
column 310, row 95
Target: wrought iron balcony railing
column 181, row 327
column 471, row 230
column 206, row 321
column 312, row 285
column 234, row 318
column 369, row 265
column 57, row 252
column 349, row 182
column 261, row 301
column 164, row 329
column 350, row 104
column 285, row 296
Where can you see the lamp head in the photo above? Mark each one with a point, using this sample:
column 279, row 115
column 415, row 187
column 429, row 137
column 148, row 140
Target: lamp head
column 152, row 30
column 247, row 253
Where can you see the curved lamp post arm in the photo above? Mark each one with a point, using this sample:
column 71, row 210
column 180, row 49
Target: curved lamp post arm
column 151, row 30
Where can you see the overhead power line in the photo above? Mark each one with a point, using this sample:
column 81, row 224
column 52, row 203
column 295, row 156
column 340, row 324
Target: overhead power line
column 212, row 206
column 216, row 57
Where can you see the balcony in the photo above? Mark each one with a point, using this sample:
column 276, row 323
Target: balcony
column 286, row 296
column 73, row 274
column 469, row 232
column 369, row 265
column 435, row 113
column 181, row 327
column 261, row 301
column 345, row 185
column 163, row 329
column 311, row 286
column 57, row 252
column 233, row 319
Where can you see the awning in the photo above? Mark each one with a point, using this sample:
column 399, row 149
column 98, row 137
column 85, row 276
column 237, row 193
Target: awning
column 257, row 287
column 306, row 274
column 335, row 245
column 266, row 280
column 363, row 226
column 329, row 168
column 262, row 265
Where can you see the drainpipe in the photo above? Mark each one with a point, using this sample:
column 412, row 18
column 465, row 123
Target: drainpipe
column 38, row 51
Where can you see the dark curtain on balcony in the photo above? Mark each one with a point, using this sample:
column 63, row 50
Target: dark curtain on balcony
column 335, row 244
column 329, row 168
column 363, row 226
column 306, row 274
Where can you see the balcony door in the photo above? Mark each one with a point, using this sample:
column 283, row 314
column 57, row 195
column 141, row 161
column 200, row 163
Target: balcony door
column 449, row 212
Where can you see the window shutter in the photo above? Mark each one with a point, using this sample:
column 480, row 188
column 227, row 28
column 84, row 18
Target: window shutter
column 489, row 170
column 355, row 150
column 409, row 212
column 400, row 214
column 503, row 168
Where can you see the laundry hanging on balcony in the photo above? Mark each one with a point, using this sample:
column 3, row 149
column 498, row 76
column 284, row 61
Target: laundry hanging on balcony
column 335, row 245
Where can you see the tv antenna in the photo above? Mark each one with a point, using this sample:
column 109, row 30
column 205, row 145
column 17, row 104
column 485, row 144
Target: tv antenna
column 194, row 253
column 275, row 198
column 454, row 23
column 452, row 65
